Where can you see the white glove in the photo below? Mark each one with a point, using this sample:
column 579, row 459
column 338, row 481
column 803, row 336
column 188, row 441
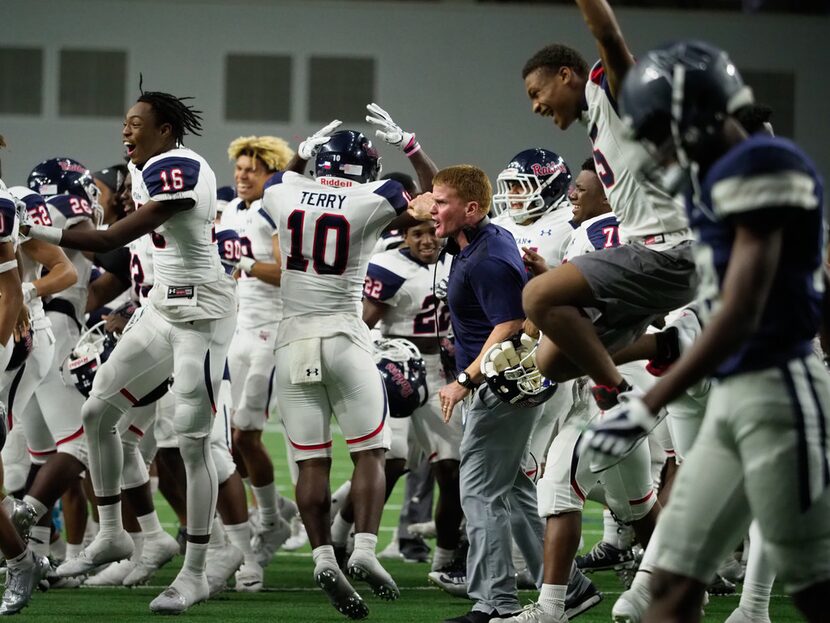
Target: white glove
column 390, row 131
column 309, row 147
column 609, row 440
column 29, row 292
column 22, row 213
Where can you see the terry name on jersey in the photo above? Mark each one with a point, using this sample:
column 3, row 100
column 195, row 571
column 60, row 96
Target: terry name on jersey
column 323, row 200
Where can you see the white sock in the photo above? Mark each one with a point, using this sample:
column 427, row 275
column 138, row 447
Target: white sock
column 610, row 532
column 552, row 598
column 340, row 529
column 240, row 537
column 40, row 507
column 324, row 555
column 73, row 549
column 217, row 535
column 194, row 558
column 759, row 578
column 138, row 545
column 39, row 540
column 150, row 524
column 365, row 543
column 110, row 516
column 18, row 562
column 441, row 558
column 266, row 500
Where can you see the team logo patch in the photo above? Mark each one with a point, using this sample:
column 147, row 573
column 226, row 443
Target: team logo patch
column 180, row 292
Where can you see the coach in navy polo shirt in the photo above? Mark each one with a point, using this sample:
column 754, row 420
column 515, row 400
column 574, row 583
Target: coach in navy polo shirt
column 485, row 301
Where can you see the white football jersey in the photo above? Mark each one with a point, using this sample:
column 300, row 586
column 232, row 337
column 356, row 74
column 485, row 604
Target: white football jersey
column 593, row 234
column 327, row 229
column 642, row 209
column 141, row 268
column 65, row 212
column 548, row 235
column 190, row 282
column 405, row 285
column 260, row 303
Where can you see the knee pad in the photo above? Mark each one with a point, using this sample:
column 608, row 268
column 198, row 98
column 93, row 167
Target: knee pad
column 193, row 415
column 135, row 471
column 555, row 498
column 99, row 415
column 194, row 450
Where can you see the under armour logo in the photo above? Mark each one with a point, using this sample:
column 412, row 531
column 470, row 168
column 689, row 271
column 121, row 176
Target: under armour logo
column 545, row 232
column 312, row 372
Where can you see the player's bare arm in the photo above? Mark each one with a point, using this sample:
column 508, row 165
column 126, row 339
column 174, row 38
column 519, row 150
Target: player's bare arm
column 269, row 272
column 103, row 290
column 62, row 273
column 373, row 312
column 152, row 215
column 11, row 294
column 616, row 57
column 746, row 286
column 453, row 393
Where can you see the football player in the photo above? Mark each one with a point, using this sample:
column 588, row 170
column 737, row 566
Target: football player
column 251, row 356
column 634, row 283
column 25, row 569
column 756, row 203
column 327, row 228
column 185, row 330
column 399, row 297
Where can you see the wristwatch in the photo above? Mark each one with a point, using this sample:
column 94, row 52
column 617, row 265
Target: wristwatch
column 465, row 381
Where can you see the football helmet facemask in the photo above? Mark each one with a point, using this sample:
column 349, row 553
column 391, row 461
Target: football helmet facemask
column 404, row 375
column 544, row 180
column 510, row 371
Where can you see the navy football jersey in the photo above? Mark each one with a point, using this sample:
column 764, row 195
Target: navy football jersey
column 765, row 182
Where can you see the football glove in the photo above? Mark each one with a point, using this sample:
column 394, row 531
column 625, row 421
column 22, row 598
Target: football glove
column 309, row 147
column 390, row 131
column 609, row 440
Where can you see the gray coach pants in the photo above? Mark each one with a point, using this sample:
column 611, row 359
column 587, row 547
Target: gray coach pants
column 498, row 499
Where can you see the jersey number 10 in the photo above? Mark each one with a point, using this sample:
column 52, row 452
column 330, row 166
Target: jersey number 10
column 324, row 226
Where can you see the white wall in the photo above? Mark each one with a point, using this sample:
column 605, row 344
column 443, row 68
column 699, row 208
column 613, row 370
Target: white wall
column 451, row 72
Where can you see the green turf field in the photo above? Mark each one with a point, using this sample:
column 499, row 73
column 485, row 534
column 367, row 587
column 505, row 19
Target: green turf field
column 292, row 597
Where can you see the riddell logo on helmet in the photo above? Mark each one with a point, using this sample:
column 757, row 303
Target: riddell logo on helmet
column 400, row 379
column 335, row 181
column 547, row 169
column 72, row 166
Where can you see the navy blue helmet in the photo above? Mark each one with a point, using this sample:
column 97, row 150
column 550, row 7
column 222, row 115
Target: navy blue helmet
column 404, row 375
column 63, row 176
column 534, row 182
column 94, row 347
column 676, row 98
column 348, row 154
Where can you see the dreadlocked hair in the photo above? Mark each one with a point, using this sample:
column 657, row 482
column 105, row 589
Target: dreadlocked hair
column 170, row 109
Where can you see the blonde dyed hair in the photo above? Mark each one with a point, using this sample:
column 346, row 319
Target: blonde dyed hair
column 470, row 184
column 273, row 151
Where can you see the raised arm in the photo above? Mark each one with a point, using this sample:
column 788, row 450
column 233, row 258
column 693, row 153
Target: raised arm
column 151, row 215
column 308, row 148
column 616, row 57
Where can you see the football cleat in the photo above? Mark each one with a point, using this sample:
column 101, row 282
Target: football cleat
column 21, row 582
column 102, row 550
column 510, row 372
column 341, row 594
column 111, row 575
column 220, row 566
column 369, row 570
column 533, row 613
column 269, row 539
column 425, row 530
column 186, row 591
column 451, row 579
column 158, row 550
column 249, row 578
column 23, row 516
column 603, row 557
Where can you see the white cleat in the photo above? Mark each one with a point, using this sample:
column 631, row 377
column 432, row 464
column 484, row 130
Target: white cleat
column 113, row 575
column 739, row 616
column 341, row 594
column 220, row 565
column 298, row 536
column 368, row 569
column 21, row 582
column 287, row 508
column 185, row 591
column 249, row 578
column 393, row 550
column 630, row 607
column 533, row 613
column 269, row 539
column 158, row 550
column 102, row 550
column 425, row 530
